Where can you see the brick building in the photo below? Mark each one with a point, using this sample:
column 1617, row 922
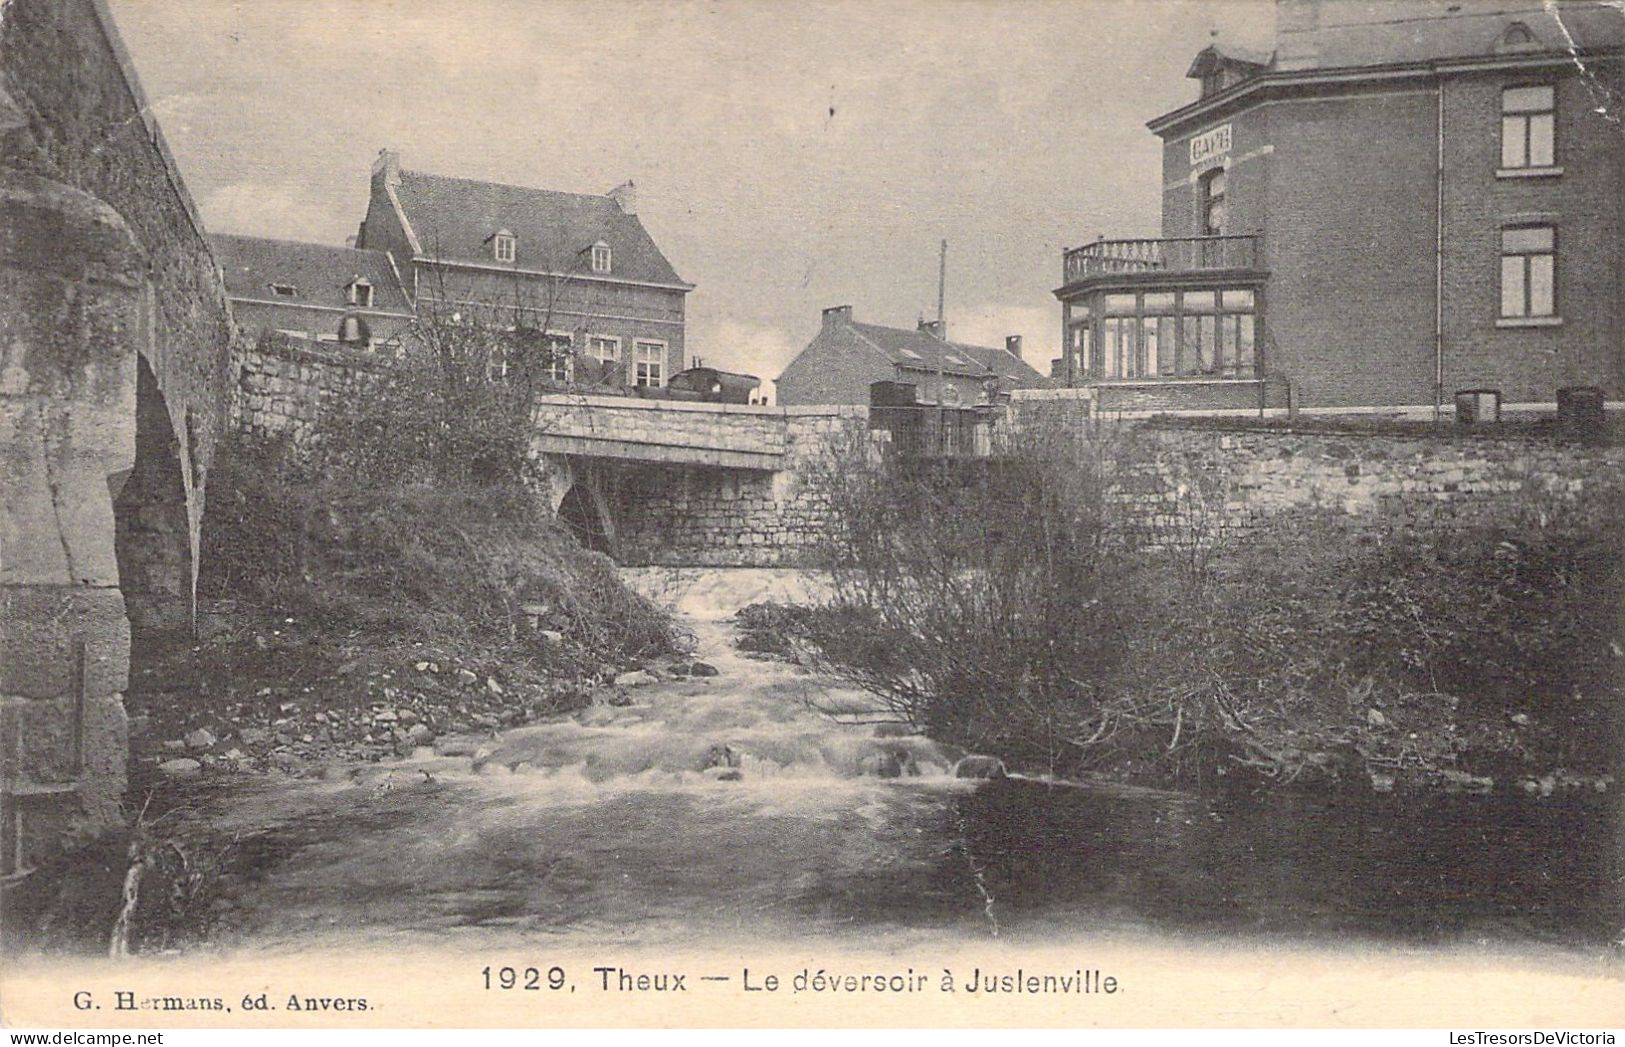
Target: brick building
column 314, row 291
column 846, row 357
column 579, row 268
column 1405, row 199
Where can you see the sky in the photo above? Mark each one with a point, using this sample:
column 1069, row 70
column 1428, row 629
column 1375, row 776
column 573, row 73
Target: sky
column 788, row 156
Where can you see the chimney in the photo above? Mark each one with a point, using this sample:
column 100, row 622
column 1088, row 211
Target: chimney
column 937, row 329
column 837, row 316
column 625, row 196
column 1297, row 25
column 388, row 165
column 1012, row 345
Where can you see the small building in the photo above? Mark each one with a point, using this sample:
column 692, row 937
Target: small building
column 314, row 291
column 715, row 386
column 1402, row 200
column 846, row 357
column 578, row 267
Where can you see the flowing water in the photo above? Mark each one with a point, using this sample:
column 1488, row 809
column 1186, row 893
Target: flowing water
column 608, row 827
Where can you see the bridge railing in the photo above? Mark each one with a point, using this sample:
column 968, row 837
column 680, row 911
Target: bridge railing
column 925, row 431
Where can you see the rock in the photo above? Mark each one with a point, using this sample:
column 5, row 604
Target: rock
column 201, row 738
column 253, row 735
column 233, row 754
column 551, row 636
column 385, row 716
column 464, row 676
column 407, row 716
column 1382, row 782
column 885, row 764
column 703, row 669
column 174, row 745
column 975, row 766
column 492, row 685
column 595, row 716
column 1375, row 718
column 421, row 667
column 619, row 699
column 721, row 756
column 1462, row 782
column 1520, row 719
column 456, row 745
column 635, row 678
column 420, row 734
column 180, row 769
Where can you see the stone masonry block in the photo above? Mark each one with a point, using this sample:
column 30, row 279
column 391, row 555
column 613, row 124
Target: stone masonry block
column 37, row 626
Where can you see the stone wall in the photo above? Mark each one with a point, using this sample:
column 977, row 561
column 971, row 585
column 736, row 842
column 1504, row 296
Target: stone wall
column 283, row 385
column 1199, row 483
column 699, row 516
column 114, row 346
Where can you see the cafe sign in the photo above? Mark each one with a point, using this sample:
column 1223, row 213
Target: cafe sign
column 1210, row 144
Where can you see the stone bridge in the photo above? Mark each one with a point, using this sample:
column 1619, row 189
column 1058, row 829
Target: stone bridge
column 114, row 354
column 647, row 481
column 676, row 483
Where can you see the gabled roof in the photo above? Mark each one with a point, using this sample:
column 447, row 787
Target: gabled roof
column 1014, row 373
column 318, row 274
column 916, row 350
column 1398, row 32
column 1218, row 54
column 455, row 219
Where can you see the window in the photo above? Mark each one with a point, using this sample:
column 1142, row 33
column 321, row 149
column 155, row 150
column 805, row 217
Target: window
column 600, row 258
column 360, row 293
column 1212, row 189
column 604, row 348
column 1528, row 118
column 560, row 356
column 1528, row 271
column 651, row 364
column 284, row 290
column 504, row 246
column 1083, row 357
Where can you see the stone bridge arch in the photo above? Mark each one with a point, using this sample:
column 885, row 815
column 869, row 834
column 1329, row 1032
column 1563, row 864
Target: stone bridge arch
column 577, row 495
column 115, row 340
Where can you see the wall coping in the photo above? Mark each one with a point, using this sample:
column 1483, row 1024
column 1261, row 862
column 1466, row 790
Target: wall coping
column 155, row 133
column 314, row 352
column 634, row 403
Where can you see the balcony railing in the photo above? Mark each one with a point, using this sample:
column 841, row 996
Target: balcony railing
column 1185, row 254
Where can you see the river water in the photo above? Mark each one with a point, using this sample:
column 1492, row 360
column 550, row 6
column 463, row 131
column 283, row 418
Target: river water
column 606, row 827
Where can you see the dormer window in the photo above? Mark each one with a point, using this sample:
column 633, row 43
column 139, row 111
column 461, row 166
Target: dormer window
column 284, row 290
column 504, row 247
column 359, row 293
column 1517, row 37
column 600, row 257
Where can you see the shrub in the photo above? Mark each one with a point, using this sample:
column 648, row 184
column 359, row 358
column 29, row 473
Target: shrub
column 445, row 563
column 1019, row 606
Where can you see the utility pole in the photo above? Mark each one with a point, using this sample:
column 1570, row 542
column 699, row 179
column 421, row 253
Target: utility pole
column 942, row 351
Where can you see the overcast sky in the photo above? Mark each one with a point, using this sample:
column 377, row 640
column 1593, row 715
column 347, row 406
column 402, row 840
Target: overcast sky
column 788, row 156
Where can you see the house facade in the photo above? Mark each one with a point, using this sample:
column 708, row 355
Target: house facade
column 1402, row 201
column 846, row 357
column 314, row 291
column 580, row 269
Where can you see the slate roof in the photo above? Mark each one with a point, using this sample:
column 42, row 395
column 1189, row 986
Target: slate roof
column 923, row 352
column 318, row 273
column 454, row 219
column 1015, row 373
column 1398, row 32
